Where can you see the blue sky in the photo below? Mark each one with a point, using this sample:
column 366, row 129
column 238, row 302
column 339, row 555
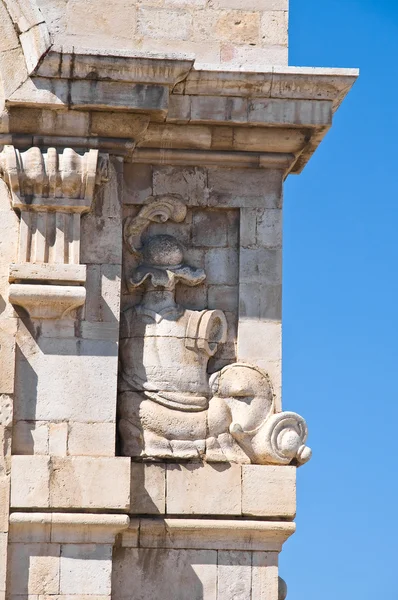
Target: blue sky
column 341, row 312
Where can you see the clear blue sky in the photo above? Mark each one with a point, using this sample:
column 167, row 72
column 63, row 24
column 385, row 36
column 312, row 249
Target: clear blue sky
column 341, row 312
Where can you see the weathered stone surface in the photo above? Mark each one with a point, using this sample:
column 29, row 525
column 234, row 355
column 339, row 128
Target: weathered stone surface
column 85, row 569
column 91, row 439
column 148, row 489
column 33, row 568
column 195, row 489
column 234, row 575
column 196, row 568
column 30, row 481
column 70, row 482
column 82, row 482
column 269, row 491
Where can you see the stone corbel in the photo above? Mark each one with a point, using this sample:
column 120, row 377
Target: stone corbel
column 50, row 190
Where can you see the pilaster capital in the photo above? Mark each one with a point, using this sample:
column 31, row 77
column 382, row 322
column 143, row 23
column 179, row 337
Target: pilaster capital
column 50, row 189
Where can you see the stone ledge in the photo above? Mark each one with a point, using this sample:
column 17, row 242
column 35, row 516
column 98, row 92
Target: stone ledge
column 268, row 536
column 66, row 528
column 213, row 490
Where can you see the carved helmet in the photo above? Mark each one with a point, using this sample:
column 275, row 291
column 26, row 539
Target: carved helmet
column 163, row 264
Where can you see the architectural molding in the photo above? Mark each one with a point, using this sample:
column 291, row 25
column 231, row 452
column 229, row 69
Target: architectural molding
column 266, row 536
column 50, row 191
column 73, row 528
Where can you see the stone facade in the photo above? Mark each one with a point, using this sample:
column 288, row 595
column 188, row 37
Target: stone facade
column 144, row 449
column 234, row 32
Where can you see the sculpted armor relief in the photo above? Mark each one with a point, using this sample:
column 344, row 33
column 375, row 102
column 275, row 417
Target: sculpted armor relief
column 169, row 406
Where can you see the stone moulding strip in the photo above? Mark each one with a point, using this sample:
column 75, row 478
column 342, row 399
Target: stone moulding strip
column 267, row 536
column 75, row 528
column 248, row 160
column 118, row 146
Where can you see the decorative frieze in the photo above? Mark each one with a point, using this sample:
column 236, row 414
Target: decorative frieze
column 50, row 190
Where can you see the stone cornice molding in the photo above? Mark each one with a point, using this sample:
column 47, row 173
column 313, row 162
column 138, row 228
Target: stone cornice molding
column 265, row 536
column 182, row 105
column 50, row 190
column 71, row 528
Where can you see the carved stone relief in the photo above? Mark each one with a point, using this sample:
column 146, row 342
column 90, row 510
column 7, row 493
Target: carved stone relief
column 169, row 406
column 50, row 190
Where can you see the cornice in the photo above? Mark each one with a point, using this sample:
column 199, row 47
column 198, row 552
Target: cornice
column 220, row 534
column 183, row 107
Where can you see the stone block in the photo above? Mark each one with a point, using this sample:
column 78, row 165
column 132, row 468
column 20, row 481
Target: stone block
column 192, row 298
column 269, row 491
column 245, row 187
column 9, row 39
column 259, row 340
column 84, row 16
column 222, row 266
column 186, row 3
column 30, row 481
column 24, row 14
column 137, row 183
column 114, row 95
column 250, row 57
column 5, row 410
column 218, row 108
column 57, row 440
column 210, row 534
column 3, row 561
column 261, row 265
column 194, row 137
column 234, row 576
column 92, row 307
column 269, row 228
column 261, row 302
column 121, row 125
column 261, row 5
column 205, row 53
column 86, row 569
column 8, row 330
column 148, row 489
column 264, row 575
column 223, row 297
column 179, row 109
column 4, row 503
column 30, row 437
column 240, row 28
column 158, row 24
column 91, row 439
column 110, row 293
column 83, row 482
column 59, row 397
column 176, row 572
column 190, row 183
column 35, row 42
column 274, row 25
column 210, row 228
column 269, row 139
column 33, row 568
column 204, row 489
column 106, row 229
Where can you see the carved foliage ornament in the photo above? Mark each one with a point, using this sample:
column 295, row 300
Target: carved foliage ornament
column 169, row 407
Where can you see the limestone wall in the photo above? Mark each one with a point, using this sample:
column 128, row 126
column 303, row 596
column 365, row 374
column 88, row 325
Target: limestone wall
column 234, row 32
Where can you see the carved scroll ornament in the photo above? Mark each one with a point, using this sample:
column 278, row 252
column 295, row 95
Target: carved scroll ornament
column 169, row 407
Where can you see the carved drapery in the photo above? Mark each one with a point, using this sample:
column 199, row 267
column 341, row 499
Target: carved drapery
column 50, row 190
